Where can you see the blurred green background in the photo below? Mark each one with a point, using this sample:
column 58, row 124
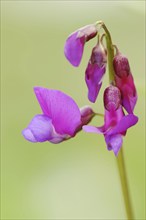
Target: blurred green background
column 77, row 179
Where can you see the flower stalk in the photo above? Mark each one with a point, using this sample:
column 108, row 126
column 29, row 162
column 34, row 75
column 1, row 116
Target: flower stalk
column 120, row 157
column 124, row 184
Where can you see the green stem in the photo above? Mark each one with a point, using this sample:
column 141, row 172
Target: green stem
column 110, row 53
column 110, row 50
column 120, row 158
column 124, row 184
column 99, row 114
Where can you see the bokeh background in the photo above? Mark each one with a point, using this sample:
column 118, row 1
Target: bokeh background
column 77, row 179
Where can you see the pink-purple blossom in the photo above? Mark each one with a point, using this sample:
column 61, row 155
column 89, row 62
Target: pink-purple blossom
column 61, row 118
column 115, row 122
column 74, row 45
column 125, row 82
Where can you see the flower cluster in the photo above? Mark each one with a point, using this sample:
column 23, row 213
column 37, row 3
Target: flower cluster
column 61, row 118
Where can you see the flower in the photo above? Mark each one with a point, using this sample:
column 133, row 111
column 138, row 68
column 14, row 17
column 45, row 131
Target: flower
column 61, row 118
column 74, row 45
column 115, row 122
column 125, row 82
column 95, row 70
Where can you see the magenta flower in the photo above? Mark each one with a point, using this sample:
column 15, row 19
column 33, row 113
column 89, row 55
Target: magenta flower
column 61, row 118
column 74, row 45
column 115, row 122
column 125, row 82
column 95, row 70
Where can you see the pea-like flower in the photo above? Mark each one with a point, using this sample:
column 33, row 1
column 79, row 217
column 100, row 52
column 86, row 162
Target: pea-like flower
column 74, row 45
column 95, row 70
column 125, row 82
column 61, row 118
column 115, row 122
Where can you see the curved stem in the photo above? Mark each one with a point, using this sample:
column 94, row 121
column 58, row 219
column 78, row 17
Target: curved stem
column 124, row 184
column 101, row 39
column 120, row 158
column 116, row 48
column 110, row 50
column 110, row 53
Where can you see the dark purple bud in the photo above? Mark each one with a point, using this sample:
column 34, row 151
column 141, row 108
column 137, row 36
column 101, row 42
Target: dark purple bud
column 121, row 65
column 95, row 71
column 112, row 98
column 125, row 82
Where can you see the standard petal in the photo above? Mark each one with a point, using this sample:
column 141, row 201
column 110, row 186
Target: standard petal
column 40, row 129
column 125, row 123
column 60, row 108
column 93, row 77
column 114, row 143
column 74, row 47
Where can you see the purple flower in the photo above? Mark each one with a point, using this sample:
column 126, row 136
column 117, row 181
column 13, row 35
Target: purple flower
column 115, row 122
column 124, row 81
column 74, row 45
column 95, row 70
column 61, row 118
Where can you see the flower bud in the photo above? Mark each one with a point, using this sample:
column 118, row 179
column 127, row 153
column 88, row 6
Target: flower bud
column 112, row 98
column 121, row 65
column 95, row 70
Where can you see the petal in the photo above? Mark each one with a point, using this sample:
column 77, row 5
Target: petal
column 74, row 47
column 28, row 135
column 121, row 65
column 40, row 129
column 130, row 83
column 112, row 98
column 93, row 129
column 128, row 91
column 60, row 108
column 86, row 114
column 57, row 139
column 129, row 99
column 112, row 118
column 125, row 123
column 114, row 143
column 93, row 77
column 89, row 31
column 129, row 103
